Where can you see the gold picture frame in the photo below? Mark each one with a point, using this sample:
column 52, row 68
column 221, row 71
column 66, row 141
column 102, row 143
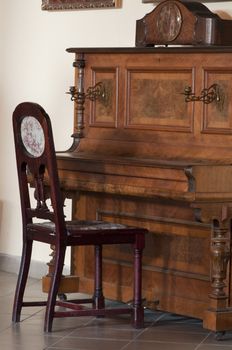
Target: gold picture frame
column 54, row 5
column 155, row 2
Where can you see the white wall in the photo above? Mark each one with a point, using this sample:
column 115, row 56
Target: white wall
column 35, row 67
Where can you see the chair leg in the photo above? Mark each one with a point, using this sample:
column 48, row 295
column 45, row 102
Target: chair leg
column 22, row 280
column 98, row 298
column 55, row 281
column 138, row 311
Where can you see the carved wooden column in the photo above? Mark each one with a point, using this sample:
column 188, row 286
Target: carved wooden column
column 78, row 95
column 218, row 316
column 220, row 253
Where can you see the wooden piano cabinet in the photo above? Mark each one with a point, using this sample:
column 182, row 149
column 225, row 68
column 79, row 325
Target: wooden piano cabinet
column 152, row 148
column 176, row 261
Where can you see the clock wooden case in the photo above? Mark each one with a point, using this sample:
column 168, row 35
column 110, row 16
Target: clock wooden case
column 182, row 23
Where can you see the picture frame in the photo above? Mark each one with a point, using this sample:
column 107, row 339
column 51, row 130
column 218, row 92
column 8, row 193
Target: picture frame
column 203, row 1
column 54, row 5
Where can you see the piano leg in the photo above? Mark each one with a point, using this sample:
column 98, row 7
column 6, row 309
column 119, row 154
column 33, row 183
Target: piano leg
column 218, row 316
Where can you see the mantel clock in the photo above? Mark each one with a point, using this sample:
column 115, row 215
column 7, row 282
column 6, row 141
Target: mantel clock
column 173, row 22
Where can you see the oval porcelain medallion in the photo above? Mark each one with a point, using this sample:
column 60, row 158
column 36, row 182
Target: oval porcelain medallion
column 32, row 136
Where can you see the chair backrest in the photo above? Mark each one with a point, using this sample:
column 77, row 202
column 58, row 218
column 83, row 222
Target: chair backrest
column 36, row 164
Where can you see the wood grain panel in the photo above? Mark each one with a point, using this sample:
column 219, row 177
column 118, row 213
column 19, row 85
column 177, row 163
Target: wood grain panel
column 217, row 116
column 155, row 99
column 104, row 111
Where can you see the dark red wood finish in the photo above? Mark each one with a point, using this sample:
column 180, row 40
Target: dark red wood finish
column 39, row 172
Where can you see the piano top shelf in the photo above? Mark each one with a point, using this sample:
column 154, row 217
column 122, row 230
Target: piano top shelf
column 155, row 49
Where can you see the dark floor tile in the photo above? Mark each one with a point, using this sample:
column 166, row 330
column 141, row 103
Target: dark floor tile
column 105, row 332
column 150, row 317
column 6, row 304
column 214, row 347
column 117, row 322
column 169, row 326
column 61, row 326
column 163, row 331
column 225, row 339
column 177, row 318
column 10, row 339
column 7, row 283
column 151, row 334
column 5, row 321
column 54, row 348
column 24, row 347
column 140, row 345
column 90, row 344
column 66, row 326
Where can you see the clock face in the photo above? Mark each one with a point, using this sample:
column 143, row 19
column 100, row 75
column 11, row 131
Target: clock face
column 169, row 22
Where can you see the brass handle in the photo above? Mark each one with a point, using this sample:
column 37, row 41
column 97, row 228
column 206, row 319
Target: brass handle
column 93, row 93
column 207, row 95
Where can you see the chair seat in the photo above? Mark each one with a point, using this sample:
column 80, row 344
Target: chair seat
column 82, row 225
column 82, row 231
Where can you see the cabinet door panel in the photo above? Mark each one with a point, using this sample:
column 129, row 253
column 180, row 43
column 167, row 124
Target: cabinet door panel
column 155, row 99
column 217, row 116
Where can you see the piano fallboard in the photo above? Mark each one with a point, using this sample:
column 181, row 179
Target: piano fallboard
column 178, row 180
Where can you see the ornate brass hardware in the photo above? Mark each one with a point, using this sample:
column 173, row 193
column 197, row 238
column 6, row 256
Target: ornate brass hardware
column 93, row 93
column 207, row 95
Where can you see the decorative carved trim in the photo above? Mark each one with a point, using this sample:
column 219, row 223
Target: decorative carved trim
column 78, row 4
column 219, row 215
column 220, row 254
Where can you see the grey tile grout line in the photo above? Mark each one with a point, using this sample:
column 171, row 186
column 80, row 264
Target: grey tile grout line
column 85, row 324
column 203, row 340
column 144, row 330
column 132, row 340
column 65, row 336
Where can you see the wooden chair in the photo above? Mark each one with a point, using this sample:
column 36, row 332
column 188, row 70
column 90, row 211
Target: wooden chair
column 36, row 163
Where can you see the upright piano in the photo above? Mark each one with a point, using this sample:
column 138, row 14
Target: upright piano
column 152, row 147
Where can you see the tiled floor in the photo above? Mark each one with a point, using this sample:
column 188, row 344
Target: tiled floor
column 162, row 332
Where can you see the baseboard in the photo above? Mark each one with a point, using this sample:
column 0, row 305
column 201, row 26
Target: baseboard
column 38, row 269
